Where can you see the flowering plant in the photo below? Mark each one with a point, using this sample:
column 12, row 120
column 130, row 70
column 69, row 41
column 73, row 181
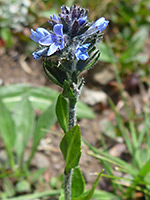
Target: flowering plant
column 69, row 48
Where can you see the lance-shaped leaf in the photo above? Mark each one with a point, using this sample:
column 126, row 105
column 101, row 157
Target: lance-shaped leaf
column 78, row 183
column 24, row 120
column 62, row 112
column 7, row 128
column 88, row 195
column 44, row 122
column 71, row 147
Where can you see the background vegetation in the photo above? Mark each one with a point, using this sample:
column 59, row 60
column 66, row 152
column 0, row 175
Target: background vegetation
column 27, row 113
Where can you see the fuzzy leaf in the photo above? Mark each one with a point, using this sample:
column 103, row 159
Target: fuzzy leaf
column 45, row 121
column 62, row 112
column 71, row 147
column 88, row 195
column 24, row 120
column 68, row 92
column 78, row 183
column 7, row 127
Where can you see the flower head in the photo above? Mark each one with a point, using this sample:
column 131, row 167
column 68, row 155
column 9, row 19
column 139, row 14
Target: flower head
column 53, row 41
column 72, row 38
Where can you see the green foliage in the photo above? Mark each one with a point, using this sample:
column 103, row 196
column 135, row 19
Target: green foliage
column 7, row 36
column 44, row 122
column 7, row 131
column 71, row 148
column 62, row 112
column 103, row 195
column 23, row 186
column 40, row 98
column 23, row 116
column 17, row 120
column 136, row 173
column 35, row 195
column 78, row 183
column 88, row 195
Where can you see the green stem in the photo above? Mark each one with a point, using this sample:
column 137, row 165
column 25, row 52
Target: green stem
column 68, row 184
column 72, row 123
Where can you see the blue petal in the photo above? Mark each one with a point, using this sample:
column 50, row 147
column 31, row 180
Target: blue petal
column 52, row 49
column 82, row 20
column 84, row 47
column 35, row 38
column 55, row 17
column 33, row 32
column 35, row 55
column 47, row 40
column 81, row 52
column 42, row 31
column 101, row 24
column 38, row 34
column 104, row 26
column 58, row 29
column 83, row 56
column 38, row 54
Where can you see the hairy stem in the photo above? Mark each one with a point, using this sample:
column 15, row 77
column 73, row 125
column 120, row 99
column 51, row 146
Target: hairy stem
column 68, row 184
column 68, row 176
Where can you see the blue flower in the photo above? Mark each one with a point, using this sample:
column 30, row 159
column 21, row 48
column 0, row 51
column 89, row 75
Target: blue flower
column 54, row 17
column 100, row 24
column 39, row 53
column 53, row 42
column 81, row 52
column 38, row 34
column 82, row 20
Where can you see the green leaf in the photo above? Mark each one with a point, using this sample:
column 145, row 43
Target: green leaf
column 50, row 76
column 62, row 112
column 7, row 36
column 7, row 129
column 121, row 164
column 24, row 121
column 103, row 195
column 23, row 186
column 140, row 176
column 40, row 98
column 107, row 54
column 68, row 92
column 88, row 195
column 84, row 111
column 135, row 45
column 123, row 129
column 71, row 147
column 45, row 121
column 78, row 183
column 8, row 187
column 14, row 90
column 36, row 195
column 62, row 196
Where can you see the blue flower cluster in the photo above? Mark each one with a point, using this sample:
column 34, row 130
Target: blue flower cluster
column 71, row 34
